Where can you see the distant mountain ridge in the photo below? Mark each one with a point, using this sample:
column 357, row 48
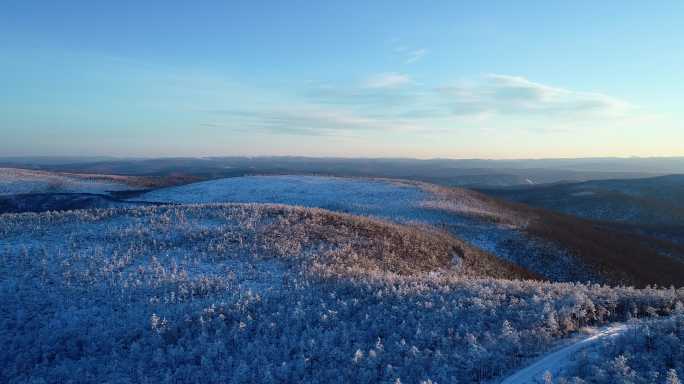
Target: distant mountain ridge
column 468, row 172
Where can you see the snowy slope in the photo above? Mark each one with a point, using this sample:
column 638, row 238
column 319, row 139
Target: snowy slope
column 360, row 196
column 466, row 217
column 229, row 293
column 17, row 181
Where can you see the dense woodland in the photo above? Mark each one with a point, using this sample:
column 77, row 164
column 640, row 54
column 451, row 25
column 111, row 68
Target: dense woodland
column 258, row 293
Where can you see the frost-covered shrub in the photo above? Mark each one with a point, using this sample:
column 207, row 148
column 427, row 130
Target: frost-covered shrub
column 481, row 221
column 253, row 293
column 649, row 352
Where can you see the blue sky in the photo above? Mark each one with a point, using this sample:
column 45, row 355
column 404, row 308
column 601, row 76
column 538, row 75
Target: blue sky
column 354, row 78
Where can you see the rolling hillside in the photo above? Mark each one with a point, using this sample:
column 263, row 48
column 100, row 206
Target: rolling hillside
column 653, row 201
column 20, row 181
column 471, row 219
column 23, row 190
column 555, row 246
column 266, row 293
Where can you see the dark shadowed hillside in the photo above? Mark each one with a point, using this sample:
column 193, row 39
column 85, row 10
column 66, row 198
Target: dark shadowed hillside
column 619, row 253
column 655, row 200
column 652, row 206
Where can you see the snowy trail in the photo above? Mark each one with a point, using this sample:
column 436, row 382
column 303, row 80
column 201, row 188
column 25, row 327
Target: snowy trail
column 555, row 361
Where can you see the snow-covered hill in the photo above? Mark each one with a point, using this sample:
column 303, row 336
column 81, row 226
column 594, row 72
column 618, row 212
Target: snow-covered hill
column 19, row 181
column 466, row 216
column 263, row 293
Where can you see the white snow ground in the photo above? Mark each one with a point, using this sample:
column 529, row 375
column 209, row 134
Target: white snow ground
column 17, row 181
column 556, row 361
column 360, row 196
column 385, row 199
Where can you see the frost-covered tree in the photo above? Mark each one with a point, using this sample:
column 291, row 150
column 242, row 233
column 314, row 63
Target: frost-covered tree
column 243, row 293
column 548, row 377
column 672, row 377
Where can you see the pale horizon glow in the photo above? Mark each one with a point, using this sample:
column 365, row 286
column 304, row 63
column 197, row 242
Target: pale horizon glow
column 461, row 81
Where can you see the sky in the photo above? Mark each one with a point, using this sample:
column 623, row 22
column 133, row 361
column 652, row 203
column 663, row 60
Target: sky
column 424, row 79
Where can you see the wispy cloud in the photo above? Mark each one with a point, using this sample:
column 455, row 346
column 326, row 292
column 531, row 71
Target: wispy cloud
column 410, row 55
column 392, row 102
column 362, row 95
column 379, row 92
column 415, row 55
column 503, row 94
column 305, row 121
column 490, row 95
column 387, row 80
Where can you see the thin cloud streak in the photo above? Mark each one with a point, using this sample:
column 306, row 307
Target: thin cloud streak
column 307, row 121
column 387, row 80
column 411, row 55
column 416, row 55
column 490, row 96
column 392, row 102
column 503, row 94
